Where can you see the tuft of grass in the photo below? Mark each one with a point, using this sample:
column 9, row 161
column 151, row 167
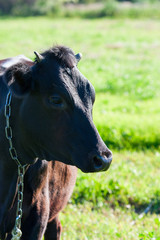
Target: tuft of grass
column 128, row 130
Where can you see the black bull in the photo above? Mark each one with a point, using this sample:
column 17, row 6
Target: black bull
column 51, row 119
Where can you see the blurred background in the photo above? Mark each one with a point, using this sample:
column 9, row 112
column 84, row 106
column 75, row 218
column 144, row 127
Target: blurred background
column 120, row 43
column 83, row 8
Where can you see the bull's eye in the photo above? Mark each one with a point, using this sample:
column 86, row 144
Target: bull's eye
column 56, row 101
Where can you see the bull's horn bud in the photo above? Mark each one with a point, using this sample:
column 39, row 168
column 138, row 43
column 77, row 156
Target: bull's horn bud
column 78, row 56
column 39, row 57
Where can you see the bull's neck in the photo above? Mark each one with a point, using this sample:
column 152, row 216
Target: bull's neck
column 24, row 155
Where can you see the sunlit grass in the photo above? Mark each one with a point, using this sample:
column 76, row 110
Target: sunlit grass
column 133, row 178
column 84, row 223
column 113, row 203
column 121, row 58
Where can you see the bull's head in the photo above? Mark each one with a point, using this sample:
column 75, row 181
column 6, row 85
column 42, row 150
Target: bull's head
column 55, row 111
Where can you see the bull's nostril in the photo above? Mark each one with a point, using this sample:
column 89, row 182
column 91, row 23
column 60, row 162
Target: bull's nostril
column 101, row 162
column 108, row 154
column 97, row 161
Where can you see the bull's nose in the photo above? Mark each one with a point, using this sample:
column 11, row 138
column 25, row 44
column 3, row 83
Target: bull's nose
column 102, row 163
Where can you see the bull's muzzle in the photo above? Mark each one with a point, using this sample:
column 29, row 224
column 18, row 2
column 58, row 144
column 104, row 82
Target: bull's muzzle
column 101, row 163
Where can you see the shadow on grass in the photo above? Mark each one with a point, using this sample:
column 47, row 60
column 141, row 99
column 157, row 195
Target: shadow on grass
column 115, row 195
column 141, row 208
column 153, row 207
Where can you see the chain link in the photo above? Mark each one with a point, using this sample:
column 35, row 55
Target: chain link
column 16, row 232
column 8, row 129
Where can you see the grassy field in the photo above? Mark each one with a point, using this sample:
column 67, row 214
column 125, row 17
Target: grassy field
column 121, row 58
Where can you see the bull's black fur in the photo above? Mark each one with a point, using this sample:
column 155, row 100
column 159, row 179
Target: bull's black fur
column 51, row 119
column 64, row 55
column 22, row 73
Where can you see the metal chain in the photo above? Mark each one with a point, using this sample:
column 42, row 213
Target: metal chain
column 8, row 129
column 16, row 232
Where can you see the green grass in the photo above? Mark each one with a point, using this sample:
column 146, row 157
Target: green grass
column 84, row 223
column 121, row 58
column 122, row 185
column 111, row 205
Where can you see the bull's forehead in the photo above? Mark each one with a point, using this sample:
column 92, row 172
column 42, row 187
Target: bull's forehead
column 66, row 81
column 78, row 87
column 75, row 82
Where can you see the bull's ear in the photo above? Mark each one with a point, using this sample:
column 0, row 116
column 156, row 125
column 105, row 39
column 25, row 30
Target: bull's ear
column 18, row 79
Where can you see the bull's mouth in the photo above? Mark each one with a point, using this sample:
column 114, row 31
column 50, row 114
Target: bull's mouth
column 98, row 164
column 95, row 162
column 47, row 154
